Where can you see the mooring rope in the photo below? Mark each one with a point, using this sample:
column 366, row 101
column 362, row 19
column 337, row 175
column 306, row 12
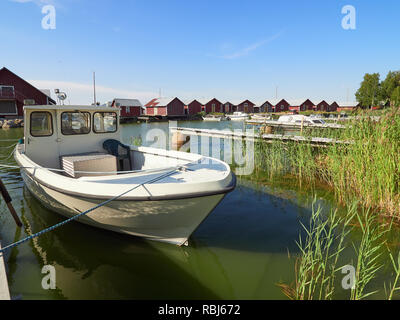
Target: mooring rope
column 8, row 157
column 8, row 147
column 87, row 211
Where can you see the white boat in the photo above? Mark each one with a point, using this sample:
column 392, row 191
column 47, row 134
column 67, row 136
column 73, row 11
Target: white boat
column 298, row 118
column 261, row 117
column 238, row 116
column 212, row 118
column 157, row 194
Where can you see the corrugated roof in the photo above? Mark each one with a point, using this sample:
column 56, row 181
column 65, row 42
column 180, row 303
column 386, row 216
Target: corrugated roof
column 160, row 102
column 231, row 103
column 186, row 102
column 128, row 102
column 47, row 92
column 296, row 102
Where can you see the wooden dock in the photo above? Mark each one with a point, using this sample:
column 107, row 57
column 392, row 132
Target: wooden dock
column 226, row 134
column 294, row 125
column 4, row 291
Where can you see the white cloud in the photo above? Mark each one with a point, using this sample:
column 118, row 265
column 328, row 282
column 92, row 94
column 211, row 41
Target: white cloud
column 81, row 93
column 245, row 51
column 40, row 3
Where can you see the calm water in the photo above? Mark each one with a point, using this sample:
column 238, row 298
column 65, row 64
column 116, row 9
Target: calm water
column 239, row 252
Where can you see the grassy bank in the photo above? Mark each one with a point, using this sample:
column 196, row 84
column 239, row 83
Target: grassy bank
column 367, row 170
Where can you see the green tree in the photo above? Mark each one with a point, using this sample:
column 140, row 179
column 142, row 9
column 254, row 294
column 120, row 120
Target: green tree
column 391, row 82
column 369, row 94
column 395, row 97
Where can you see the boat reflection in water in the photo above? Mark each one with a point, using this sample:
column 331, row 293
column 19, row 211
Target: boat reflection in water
column 222, row 262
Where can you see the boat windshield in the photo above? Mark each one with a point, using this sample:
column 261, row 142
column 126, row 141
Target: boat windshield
column 104, row 122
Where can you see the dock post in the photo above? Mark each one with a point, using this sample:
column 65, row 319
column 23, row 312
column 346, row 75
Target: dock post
column 7, row 199
column 301, row 128
column 4, row 291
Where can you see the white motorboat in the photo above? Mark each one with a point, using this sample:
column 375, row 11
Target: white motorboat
column 212, row 118
column 238, row 116
column 261, row 117
column 298, row 118
column 72, row 160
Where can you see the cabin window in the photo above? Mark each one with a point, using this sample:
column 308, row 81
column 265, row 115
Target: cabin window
column 41, row 124
column 104, row 122
column 75, row 123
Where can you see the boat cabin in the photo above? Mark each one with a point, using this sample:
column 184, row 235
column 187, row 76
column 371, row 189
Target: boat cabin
column 55, row 132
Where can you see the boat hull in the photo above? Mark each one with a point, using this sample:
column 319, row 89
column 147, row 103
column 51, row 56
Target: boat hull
column 171, row 221
column 212, row 119
column 239, row 119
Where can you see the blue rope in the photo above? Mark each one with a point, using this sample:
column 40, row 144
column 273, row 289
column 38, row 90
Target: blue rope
column 84, row 213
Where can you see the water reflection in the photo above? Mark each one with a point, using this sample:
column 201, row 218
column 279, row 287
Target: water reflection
column 230, row 255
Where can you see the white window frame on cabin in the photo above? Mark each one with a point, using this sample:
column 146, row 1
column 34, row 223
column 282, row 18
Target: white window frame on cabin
column 128, row 109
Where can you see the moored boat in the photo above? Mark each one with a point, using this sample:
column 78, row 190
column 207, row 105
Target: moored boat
column 260, row 117
column 298, row 118
column 238, row 116
column 72, row 160
column 212, row 118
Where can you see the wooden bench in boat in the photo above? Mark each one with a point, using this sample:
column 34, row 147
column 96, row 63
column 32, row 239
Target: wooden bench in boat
column 94, row 162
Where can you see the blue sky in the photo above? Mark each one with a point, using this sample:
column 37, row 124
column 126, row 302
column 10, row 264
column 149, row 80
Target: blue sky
column 228, row 49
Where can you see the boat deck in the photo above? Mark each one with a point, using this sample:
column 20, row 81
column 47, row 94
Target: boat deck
column 4, row 291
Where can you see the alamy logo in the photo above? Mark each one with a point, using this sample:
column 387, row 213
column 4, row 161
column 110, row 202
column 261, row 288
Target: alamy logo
column 349, row 20
column 348, row 280
column 236, row 148
column 49, row 20
column 49, row 280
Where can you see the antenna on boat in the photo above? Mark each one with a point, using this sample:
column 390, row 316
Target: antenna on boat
column 61, row 96
column 94, row 88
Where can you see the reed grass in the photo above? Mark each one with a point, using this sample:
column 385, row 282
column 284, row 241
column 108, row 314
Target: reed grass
column 326, row 238
column 365, row 178
column 316, row 267
column 396, row 267
column 367, row 170
column 368, row 253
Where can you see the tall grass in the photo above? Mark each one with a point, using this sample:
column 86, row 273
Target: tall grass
column 364, row 174
column 367, row 170
column 326, row 238
column 396, row 267
column 316, row 268
column 368, row 253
